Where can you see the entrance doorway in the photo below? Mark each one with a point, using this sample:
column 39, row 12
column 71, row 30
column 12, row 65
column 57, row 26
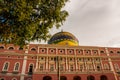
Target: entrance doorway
column 77, row 78
column 63, row 78
column 103, row 77
column 47, row 78
column 90, row 78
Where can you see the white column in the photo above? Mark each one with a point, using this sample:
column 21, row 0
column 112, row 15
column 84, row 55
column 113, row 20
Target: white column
column 110, row 62
column 94, row 67
column 66, row 64
column 76, row 66
column 24, row 64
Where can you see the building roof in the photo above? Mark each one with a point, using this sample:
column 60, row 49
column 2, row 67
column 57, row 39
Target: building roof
column 64, row 38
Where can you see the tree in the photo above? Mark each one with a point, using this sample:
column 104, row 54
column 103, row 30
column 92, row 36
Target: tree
column 22, row 21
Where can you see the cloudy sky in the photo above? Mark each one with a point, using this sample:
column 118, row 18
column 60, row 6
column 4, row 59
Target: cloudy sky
column 93, row 22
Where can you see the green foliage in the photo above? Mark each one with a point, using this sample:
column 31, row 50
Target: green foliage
column 22, row 21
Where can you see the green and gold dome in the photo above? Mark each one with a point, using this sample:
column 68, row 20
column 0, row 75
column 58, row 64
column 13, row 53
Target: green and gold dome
column 64, row 38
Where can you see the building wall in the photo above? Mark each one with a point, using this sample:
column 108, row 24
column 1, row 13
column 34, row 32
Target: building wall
column 45, row 60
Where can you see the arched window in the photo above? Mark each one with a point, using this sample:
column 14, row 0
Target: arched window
column 14, row 78
column 20, row 48
column 116, row 66
column 77, row 78
column 16, row 66
column 102, row 52
column 30, row 71
column 103, row 77
column 6, row 66
column 90, row 78
column 1, row 47
column 33, row 49
column 98, row 67
column 111, row 52
column 11, row 48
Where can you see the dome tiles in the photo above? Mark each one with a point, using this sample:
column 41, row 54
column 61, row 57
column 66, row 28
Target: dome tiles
column 64, row 38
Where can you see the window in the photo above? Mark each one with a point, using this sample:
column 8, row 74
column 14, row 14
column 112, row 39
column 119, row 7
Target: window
column 116, row 66
column 30, row 71
column 33, row 49
column 51, row 67
column 95, row 51
column 14, row 79
column 51, row 58
column 98, row 67
column 71, row 59
column 41, row 67
column 70, row 51
column 106, row 67
column 79, row 59
column 111, row 52
column 102, row 52
column 118, row 52
column 11, row 48
column 61, row 67
column 90, row 67
column 6, row 66
column 43, row 50
column 88, row 51
column 103, row 77
column 81, row 67
column 71, row 67
column 20, row 48
column 79, row 51
column 52, row 50
column 97, row 59
column 1, row 47
column 61, row 51
column 16, row 67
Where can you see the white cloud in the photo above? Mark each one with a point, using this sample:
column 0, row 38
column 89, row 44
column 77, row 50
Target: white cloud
column 93, row 22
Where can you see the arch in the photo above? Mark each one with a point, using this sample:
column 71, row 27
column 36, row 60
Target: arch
column 14, row 78
column 16, row 66
column 2, row 78
column 33, row 49
column 103, row 77
column 6, row 66
column 90, row 78
column 30, row 71
column 98, row 68
column 20, row 48
column 1, row 47
column 47, row 78
column 29, row 79
column 76, row 78
column 11, row 48
column 63, row 78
